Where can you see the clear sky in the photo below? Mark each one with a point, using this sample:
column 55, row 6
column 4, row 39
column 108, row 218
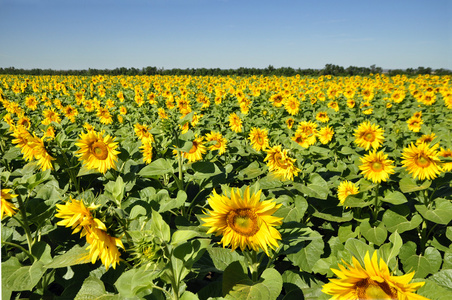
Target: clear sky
column 105, row 34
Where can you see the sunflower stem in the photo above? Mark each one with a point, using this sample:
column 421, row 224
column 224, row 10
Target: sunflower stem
column 24, row 223
column 376, row 206
column 32, row 258
column 70, row 172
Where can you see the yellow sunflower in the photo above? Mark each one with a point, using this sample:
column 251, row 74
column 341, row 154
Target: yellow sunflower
column 196, row 151
column 322, row 116
column 142, row 132
column 39, row 152
column 7, row 208
column 345, row 189
column 373, row 281
column 447, row 166
column 220, row 142
column 326, row 134
column 369, row 135
column 243, row 221
column 426, row 138
column 235, row 123
column 259, row 138
column 98, row 152
column 146, row 150
column 292, row 105
column 414, row 124
column 422, row 161
column 79, row 217
column 280, row 164
column 376, row 167
column 105, row 247
column 290, row 122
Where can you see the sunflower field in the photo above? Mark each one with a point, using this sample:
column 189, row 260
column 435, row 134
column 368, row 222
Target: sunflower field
column 186, row 187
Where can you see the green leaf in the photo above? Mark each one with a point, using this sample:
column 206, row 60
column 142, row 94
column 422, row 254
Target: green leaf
column 41, row 250
column 432, row 290
column 92, row 288
column 77, row 255
column 37, row 179
column 25, row 278
column 189, row 296
column 423, row 264
column 345, row 232
column 395, row 197
column 316, row 188
column 115, row 189
column 323, row 266
column 237, row 285
column 358, row 249
column 168, row 203
column 358, row 200
column 294, row 212
column 311, row 249
column 156, row 168
column 205, row 169
column 310, row 286
column 159, row 227
column 443, row 278
column 252, row 171
column 376, row 235
column 408, row 185
column 441, row 214
column 134, row 281
column 395, row 220
column 222, row 257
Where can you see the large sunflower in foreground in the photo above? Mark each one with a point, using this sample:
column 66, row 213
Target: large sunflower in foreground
column 373, row 281
column 243, row 221
column 369, row 135
column 98, row 152
column 422, row 161
column 376, row 167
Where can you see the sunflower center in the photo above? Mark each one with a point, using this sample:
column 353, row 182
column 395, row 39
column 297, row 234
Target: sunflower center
column 367, row 289
column 370, row 137
column 193, row 148
column 259, row 139
column 244, row 221
column 99, row 150
column 423, row 162
column 281, row 161
column 377, row 166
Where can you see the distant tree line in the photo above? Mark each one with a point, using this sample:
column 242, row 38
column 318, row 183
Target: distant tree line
column 329, row 69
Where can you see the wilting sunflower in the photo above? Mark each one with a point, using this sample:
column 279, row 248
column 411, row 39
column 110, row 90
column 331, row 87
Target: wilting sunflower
column 280, row 164
column 235, row 123
column 376, row 167
column 369, row 135
column 7, row 209
column 98, row 152
column 325, row 134
column 79, row 217
column 196, row 151
column 421, row 161
column 105, row 247
column 447, row 166
column 345, row 189
column 220, row 142
column 243, row 221
column 259, row 138
column 373, row 281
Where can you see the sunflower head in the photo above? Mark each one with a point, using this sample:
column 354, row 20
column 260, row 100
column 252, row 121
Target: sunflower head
column 243, row 220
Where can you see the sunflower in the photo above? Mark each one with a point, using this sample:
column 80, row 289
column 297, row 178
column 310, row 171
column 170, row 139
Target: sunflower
column 50, row 115
column 235, row 123
column 373, row 281
column 351, row 103
column 31, row 102
column 345, row 189
column 105, row 247
column 325, row 134
column 422, row 161
column 142, row 132
column 292, row 105
column 334, row 105
column 426, row 138
column 369, row 135
column 322, row 116
column 220, row 142
column 447, row 166
column 79, row 217
column 277, row 100
column 414, row 124
column 104, row 115
column 7, row 208
column 376, row 167
column 196, row 151
column 39, row 152
column 259, row 138
column 243, row 221
column 280, row 164
column 290, row 122
column 98, row 152
column 146, row 150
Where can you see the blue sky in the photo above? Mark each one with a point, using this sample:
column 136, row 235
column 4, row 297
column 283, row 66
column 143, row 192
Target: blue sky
column 66, row 34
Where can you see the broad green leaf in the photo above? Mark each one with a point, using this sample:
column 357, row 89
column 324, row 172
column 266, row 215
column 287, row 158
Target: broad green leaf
column 358, row 200
column 294, row 212
column 36, row 179
column 239, row 286
column 441, row 214
column 25, row 278
column 133, row 281
column 168, row 203
column 223, row 257
column 77, row 255
column 376, row 235
column 160, row 228
column 41, row 250
column 115, row 189
column 252, row 171
column 180, row 236
column 323, row 266
column 311, row 251
column 344, row 217
column 423, row 265
column 432, row 290
column 317, row 187
column 443, row 278
column 345, row 232
column 358, row 249
column 156, row 168
column 205, row 169
column 395, row 220
column 395, row 197
column 189, row 296
column 408, row 185
column 92, row 288
column 310, row 286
